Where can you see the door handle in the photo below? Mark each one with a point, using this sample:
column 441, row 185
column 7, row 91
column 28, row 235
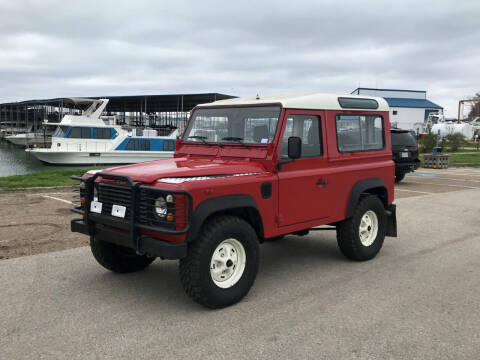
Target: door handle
column 322, row 182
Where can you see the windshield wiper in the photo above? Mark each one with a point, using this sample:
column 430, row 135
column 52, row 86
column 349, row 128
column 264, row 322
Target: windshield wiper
column 202, row 138
column 234, row 138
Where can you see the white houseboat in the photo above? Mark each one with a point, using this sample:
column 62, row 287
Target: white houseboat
column 87, row 139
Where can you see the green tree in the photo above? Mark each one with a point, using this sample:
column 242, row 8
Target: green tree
column 427, row 143
column 455, row 141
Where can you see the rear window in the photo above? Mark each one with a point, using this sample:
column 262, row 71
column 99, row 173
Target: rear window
column 359, row 133
column 403, row 139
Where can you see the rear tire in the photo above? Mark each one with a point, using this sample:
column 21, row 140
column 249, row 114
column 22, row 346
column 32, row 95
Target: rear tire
column 117, row 258
column 399, row 177
column 222, row 263
column 361, row 236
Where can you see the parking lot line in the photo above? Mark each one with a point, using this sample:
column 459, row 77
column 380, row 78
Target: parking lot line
column 58, row 199
column 455, row 179
column 418, row 192
column 438, row 184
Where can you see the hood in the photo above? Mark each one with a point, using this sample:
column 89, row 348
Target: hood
column 149, row 172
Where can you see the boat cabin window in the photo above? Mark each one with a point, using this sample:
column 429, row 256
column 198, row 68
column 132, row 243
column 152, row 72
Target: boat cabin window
column 168, row 145
column 60, row 131
column 138, row 145
column 102, row 133
column 79, row 133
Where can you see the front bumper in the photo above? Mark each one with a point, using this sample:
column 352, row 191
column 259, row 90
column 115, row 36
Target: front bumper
column 139, row 221
column 144, row 244
column 405, row 167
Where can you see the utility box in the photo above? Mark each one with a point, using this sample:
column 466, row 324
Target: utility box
column 436, row 161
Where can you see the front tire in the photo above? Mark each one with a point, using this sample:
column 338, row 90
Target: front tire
column 117, row 258
column 361, row 236
column 222, row 264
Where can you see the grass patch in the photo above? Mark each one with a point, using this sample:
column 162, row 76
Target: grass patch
column 460, row 159
column 42, row 179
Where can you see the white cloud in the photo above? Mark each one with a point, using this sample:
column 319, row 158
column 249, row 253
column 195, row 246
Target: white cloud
column 58, row 48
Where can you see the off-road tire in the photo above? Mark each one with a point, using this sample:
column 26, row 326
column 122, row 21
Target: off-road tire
column 348, row 237
column 195, row 268
column 117, row 258
column 399, row 177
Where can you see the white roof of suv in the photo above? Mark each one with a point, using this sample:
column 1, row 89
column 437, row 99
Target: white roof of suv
column 313, row 101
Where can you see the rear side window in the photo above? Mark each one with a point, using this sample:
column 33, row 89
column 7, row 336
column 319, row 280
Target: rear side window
column 138, row 145
column 101, row 133
column 359, row 133
column 403, row 139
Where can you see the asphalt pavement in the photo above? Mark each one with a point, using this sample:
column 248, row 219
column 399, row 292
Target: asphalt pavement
column 418, row 299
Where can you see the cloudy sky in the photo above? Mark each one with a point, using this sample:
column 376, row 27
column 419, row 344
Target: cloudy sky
column 92, row 48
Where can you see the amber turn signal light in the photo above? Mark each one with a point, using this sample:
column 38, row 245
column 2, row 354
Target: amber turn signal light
column 169, row 217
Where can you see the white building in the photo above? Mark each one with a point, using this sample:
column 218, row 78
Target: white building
column 408, row 108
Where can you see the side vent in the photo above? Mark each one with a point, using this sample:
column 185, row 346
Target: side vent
column 266, row 189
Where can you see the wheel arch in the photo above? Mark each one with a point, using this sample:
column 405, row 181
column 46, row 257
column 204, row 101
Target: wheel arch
column 373, row 186
column 241, row 205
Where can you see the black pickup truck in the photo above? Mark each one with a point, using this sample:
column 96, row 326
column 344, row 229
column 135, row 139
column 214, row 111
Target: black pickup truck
column 405, row 153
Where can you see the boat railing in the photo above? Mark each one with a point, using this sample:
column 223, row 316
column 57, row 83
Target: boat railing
column 91, row 147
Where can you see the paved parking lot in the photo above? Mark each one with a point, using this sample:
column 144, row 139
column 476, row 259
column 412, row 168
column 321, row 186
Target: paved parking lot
column 420, row 298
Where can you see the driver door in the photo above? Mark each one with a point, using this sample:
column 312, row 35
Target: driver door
column 303, row 183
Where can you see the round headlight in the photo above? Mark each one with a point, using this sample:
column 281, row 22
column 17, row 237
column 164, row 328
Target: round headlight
column 161, row 207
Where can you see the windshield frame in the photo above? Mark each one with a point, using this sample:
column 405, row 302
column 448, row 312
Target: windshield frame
column 221, row 143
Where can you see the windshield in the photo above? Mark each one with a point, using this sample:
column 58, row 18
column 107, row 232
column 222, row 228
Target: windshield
column 246, row 125
column 403, row 139
column 60, row 131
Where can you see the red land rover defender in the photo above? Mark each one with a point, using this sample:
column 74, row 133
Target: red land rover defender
column 247, row 170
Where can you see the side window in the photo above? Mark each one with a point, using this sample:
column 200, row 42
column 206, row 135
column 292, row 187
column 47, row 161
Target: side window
column 132, row 144
column 168, row 145
column 359, row 133
column 307, row 127
column 101, row 133
column 79, row 133
column 145, row 145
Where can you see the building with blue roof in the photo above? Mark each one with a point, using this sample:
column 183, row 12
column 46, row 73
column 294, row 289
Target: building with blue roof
column 409, row 109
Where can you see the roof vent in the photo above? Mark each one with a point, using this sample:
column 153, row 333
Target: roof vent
column 357, row 103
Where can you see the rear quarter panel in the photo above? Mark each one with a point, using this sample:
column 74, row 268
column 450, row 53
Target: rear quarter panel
column 349, row 168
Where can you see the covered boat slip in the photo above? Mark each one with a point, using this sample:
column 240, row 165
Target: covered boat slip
column 154, row 111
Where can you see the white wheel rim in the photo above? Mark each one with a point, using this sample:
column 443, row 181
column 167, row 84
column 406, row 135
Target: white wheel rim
column 368, row 228
column 228, row 263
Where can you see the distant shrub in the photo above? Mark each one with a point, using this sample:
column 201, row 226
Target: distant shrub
column 455, row 141
column 427, row 143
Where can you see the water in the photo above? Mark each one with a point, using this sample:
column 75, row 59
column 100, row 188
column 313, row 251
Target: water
column 15, row 161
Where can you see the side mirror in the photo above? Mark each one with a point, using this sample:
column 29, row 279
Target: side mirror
column 294, row 147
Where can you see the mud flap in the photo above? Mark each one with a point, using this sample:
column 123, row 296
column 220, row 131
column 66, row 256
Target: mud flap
column 391, row 220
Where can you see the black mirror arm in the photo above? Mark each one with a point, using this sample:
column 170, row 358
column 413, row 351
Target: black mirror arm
column 283, row 162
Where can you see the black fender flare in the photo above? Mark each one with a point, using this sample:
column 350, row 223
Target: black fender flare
column 216, row 204
column 363, row 186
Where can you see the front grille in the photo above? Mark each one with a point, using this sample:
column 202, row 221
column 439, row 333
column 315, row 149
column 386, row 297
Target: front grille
column 139, row 203
column 110, row 194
